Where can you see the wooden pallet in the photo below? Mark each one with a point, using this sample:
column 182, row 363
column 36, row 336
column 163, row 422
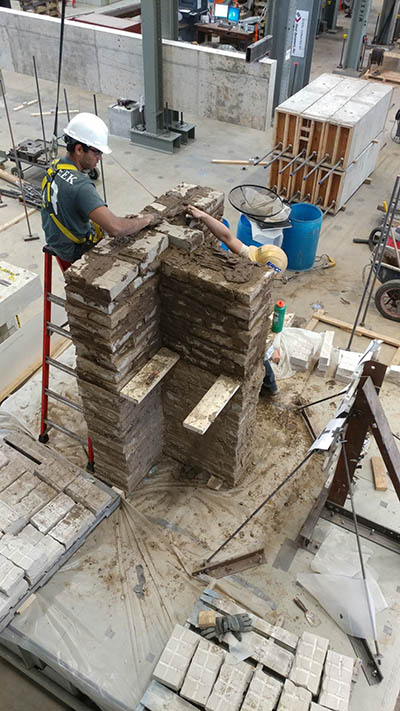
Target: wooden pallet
column 387, row 77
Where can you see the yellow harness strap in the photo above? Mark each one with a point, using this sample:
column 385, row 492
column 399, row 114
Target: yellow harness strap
column 46, row 186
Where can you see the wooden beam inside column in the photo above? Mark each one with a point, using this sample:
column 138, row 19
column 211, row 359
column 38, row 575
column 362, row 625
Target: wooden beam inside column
column 150, row 375
column 211, row 404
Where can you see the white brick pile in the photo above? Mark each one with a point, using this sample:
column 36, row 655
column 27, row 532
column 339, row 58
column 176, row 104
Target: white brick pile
column 294, row 698
column 26, row 556
column 347, row 364
column 325, row 354
column 336, row 681
column 10, row 576
column 263, row 693
column 50, row 515
column 202, row 672
column 85, row 492
column 176, row 657
column 73, row 526
column 270, row 654
column 230, row 687
column 309, row 661
column 10, row 520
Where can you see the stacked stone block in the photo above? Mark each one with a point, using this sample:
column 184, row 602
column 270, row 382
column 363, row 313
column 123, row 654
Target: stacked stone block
column 170, row 285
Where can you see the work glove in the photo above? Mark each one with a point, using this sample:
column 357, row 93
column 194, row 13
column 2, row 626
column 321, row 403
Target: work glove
column 229, row 623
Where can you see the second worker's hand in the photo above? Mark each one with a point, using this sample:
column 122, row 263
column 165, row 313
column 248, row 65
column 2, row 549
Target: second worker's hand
column 195, row 212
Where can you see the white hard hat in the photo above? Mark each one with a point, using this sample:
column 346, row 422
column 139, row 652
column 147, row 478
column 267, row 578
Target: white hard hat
column 90, row 130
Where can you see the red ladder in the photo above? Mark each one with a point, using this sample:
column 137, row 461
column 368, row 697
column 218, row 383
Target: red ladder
column 48, row 329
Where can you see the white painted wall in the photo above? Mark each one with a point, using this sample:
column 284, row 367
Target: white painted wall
column 204, row 82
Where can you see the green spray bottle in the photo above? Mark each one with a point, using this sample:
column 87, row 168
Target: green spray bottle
column 278, row 316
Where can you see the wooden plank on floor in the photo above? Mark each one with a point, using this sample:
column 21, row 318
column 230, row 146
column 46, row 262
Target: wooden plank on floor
column 150, row 375
column 314, row 320
column 211, row 404
column 360, row 331
column 396, row 358
column 379, row 473
column 159, row 698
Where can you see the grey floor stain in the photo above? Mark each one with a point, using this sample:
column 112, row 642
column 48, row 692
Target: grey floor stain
column 32, row 266
column 3, row 255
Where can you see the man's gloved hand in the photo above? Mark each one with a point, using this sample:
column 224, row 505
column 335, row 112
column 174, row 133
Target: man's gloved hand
column 229, row 623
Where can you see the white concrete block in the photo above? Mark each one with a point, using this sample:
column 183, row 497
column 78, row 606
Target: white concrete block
column 182, row 237
column 317, row 707
column 19, row 489
column 35, row 500
column 52, row 513
column 84, row 491
column 325, row 354
column 148, row 247
column 52, row 549
column 7, row 602
column 10, row 576
column 31, row 534
column 230, row 687
column 176, row 657
column 294, row 698
column 263, row 693
column 23, row 554
column 56, row 475
column 73, row 526
column 202, row 672
column 10, row 520
column 302, row 356
column 309, row 661
column 347, row 364
column 3, row 461
column 270, row 654
column 336, row 681
column 393, row 374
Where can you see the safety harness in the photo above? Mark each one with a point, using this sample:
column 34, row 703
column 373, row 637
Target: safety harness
column 47, row 205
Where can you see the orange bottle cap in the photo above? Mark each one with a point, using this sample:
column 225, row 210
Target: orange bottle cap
column 281, row 304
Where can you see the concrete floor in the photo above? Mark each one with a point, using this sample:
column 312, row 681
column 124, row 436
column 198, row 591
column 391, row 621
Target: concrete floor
column 134, row 175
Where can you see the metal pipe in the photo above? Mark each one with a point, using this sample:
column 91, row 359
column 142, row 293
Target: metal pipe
column 101, row 157
column 40, row 109
column 307, row 197
column 330, row 171
column 275, row 148
column 305, row 162
column 275, row 491
column 360, row 553
column 316, row 166
column 278, row 156
column 319, row 200
column 333, row 203
column 17, row 163
column 291, row 162
column 282, row 192
column 66, row 105
column 296, row 195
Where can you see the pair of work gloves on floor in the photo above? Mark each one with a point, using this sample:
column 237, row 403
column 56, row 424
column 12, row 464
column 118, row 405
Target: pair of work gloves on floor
column 228, row 623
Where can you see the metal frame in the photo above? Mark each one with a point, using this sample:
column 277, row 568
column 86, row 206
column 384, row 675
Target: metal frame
column 358, row 30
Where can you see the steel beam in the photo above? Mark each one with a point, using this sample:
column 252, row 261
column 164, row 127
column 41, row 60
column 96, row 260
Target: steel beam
column 387, row 22
column 169, row 19
column 280, row 25
column 307, row 18
column 358, row 30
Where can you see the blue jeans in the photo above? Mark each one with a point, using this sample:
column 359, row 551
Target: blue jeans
column 269, row 382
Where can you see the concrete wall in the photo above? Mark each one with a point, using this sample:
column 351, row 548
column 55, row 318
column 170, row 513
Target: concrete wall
column 204, row 82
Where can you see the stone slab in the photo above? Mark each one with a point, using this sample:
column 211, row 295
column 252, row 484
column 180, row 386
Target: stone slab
column 270, row 654
column 35, row 500
column 150, row 375
column 10, row 576
column 84, row 491
column 52, row 549
column 263, row 693
column 73, row 526
column 31, row 534
column 159, row 698
column 309, row 661
column 57, row 475
column 52, row 513
column 294, row 698
column 19, row 489
column 230, row 687
column 202, row 672
column 336, row 681
column 3, row 461
column 7, row 602
column 10, row 520
column 211, row 404
column 176, row 657
column 24, row 555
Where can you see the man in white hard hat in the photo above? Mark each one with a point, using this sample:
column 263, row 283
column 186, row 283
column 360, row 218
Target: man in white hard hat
column 268, row 255
column 74, row 215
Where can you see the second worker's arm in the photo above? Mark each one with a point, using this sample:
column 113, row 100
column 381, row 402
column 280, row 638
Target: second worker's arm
column 219, row 230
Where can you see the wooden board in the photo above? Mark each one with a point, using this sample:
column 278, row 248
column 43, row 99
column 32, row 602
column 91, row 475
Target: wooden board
column 150, row 375
column 379, row 473
column 211, row 404
column 360, row 331
column 385, row 77
column 396, row 358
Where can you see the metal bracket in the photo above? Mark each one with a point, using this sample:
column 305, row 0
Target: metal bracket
column 229, row 566
column 375, row 532
column 371, row 669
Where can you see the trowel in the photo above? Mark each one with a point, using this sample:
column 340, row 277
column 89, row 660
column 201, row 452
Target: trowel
column 312, row 619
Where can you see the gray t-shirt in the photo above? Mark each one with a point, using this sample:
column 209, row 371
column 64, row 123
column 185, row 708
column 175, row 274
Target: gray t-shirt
column 73, row 197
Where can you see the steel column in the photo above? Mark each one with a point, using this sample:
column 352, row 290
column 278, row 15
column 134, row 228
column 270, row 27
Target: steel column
column 307, row 17
column 387, row 22
column 358, row 29
column 152, row 65
column 169, row 19
column 280, row 25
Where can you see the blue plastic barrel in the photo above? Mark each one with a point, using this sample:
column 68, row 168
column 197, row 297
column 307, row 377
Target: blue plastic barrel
column 243, row 232
column 222, row 244
column 300, row 241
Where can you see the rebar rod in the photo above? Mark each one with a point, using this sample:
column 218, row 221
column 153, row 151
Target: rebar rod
column 304, row 162
column 291, row 162
column 330, row 171
column 40, row 110
column 316, row 166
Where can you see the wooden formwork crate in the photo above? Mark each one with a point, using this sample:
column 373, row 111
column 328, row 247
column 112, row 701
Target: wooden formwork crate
column 286, row 131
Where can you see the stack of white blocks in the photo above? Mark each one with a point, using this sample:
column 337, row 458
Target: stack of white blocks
column 204, row 674
column 347, row 364
column 325, row 353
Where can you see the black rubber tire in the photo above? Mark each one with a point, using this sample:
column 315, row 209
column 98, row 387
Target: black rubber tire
column 374, row 238
column 94, row 174
column 14, row 171
column 387, row 300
